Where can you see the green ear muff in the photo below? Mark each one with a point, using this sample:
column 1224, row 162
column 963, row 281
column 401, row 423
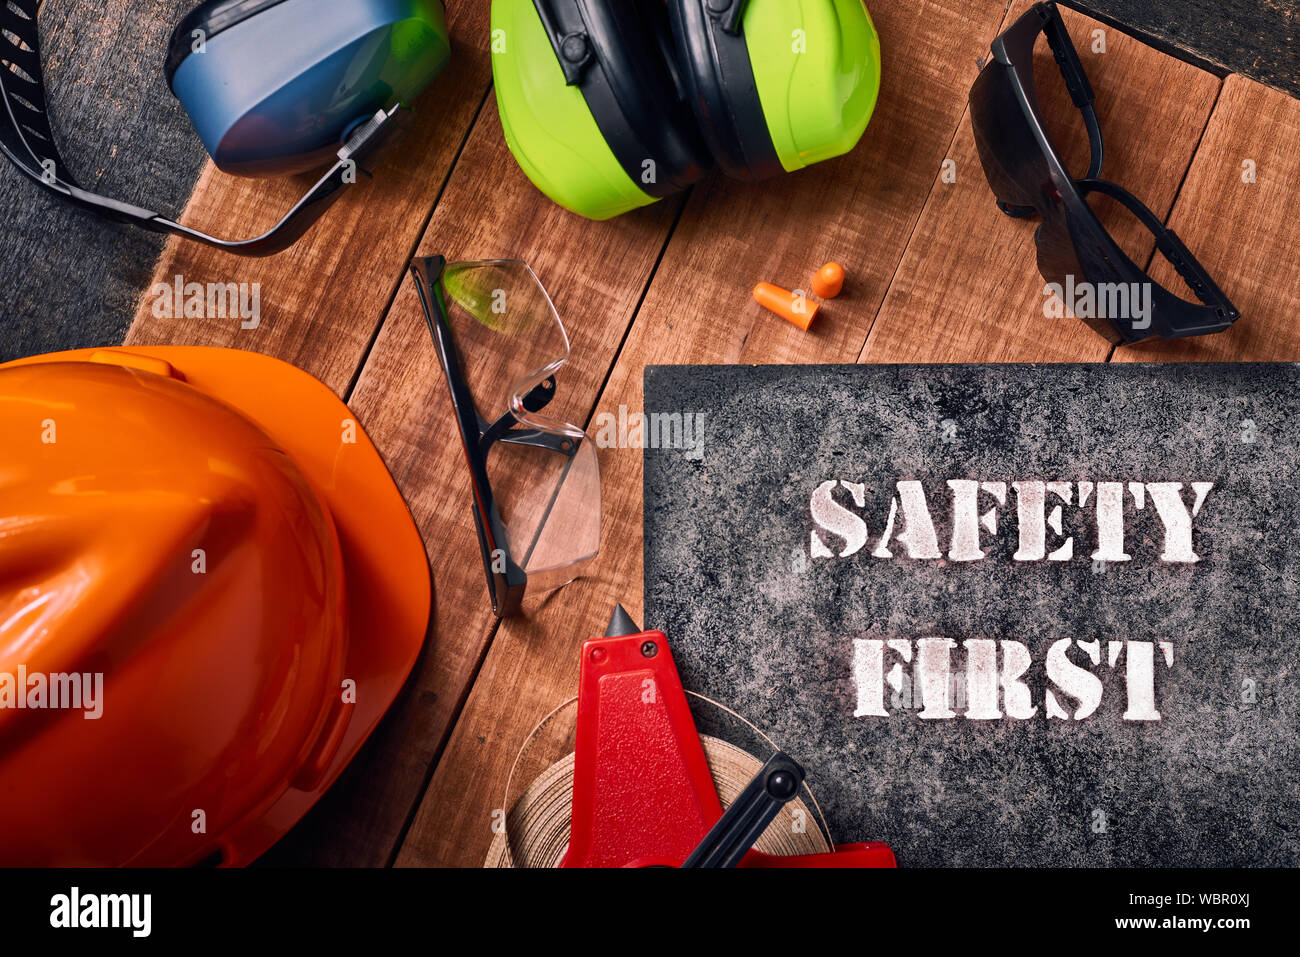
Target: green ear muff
column 590, row 93
column 588, row 105
column 777, row 85
column 817, row 68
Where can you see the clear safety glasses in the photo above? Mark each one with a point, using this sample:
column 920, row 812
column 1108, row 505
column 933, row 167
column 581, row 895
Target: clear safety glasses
column 534, row 474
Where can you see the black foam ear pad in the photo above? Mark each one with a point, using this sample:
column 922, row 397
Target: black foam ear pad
column 632, row 93
column 208, row 18
column 719, row 81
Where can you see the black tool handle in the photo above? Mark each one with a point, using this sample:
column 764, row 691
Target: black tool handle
column 736, row 831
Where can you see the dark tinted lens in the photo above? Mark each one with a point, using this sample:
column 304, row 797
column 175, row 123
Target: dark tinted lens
column 1091, row 278
column 1059, row 263
column 1057, row 259
column 1009, row 152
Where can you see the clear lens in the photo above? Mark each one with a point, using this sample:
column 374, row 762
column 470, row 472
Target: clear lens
column 544, row 473
column 510, row 339
column 549, row 502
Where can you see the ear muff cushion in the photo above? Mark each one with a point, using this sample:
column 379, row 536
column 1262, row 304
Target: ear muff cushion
column 642, row 116
column 817, row 68
column 719, row 78
column 617, row 140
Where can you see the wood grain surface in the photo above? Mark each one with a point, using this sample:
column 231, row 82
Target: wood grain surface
column 121, row 128
column 697, row 310
column 936, row 273
column 1244, row 233
column 596, row 273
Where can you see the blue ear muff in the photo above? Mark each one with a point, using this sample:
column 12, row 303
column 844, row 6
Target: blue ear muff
column 274, row 87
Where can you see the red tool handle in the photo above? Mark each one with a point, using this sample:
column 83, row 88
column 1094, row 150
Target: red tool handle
column 643, row 794
column 642, row 791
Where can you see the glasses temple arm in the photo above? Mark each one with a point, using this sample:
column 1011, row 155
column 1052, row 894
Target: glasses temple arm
column 1167, row 241
column 1076, row 81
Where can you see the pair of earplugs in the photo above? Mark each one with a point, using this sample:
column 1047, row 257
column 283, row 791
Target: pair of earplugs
column 795, row 307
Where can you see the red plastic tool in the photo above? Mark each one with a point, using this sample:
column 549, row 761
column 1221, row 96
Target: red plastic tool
column 642, row 792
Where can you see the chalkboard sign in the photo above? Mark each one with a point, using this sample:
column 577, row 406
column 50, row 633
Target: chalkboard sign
column 1004, row 615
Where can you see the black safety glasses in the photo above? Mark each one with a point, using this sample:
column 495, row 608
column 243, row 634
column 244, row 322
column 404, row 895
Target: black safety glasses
column 534, row 476
column 1027, row 176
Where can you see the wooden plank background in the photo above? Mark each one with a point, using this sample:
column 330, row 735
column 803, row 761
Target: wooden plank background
column 936, row 273
column 120, row 128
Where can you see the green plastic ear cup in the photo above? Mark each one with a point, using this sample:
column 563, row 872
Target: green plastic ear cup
column 548, row 125
column 817, row 68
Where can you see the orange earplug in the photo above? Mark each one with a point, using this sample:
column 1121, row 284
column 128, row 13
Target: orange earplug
column 829, row 281
column 791, row 307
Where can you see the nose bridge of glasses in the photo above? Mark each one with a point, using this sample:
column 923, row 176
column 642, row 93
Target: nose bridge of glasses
column 504, row 430
column 540, row 396
column 507, row 429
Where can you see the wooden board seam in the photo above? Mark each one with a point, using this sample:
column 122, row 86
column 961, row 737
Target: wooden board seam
column 916, row 221
column 920, row 214
column 415, row 246
column 432, row 767
column 1178, row 194
column 636, row 310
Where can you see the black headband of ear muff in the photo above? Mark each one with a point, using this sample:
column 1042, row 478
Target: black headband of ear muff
column 634, row 98
column 27, row 138
column 711, row 46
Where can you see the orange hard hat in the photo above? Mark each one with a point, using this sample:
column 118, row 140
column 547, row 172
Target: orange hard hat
column 210, row 592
